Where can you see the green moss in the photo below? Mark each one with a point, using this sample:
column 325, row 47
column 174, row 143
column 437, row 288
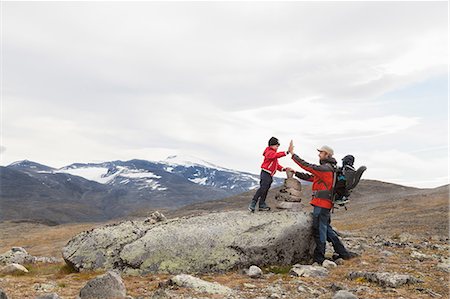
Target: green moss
column 278, row 269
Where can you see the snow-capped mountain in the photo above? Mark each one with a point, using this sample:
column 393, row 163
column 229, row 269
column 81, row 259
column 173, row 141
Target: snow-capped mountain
column 151, row 175
column 115, row 188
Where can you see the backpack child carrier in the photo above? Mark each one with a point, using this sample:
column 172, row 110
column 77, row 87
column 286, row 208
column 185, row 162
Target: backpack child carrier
column 346, row 179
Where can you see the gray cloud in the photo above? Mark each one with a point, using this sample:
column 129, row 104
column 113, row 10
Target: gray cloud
column 212, row 79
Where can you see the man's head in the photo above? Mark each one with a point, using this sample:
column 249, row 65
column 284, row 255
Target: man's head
column 325, row 152
column 274, row 143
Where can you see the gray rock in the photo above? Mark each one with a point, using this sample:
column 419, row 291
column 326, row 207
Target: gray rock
column 274, row 296
column 45, row 287
column 48, row 296
column 106, row 286
column 222, row 241
column 254, row 272
column 385, row 279
column 444, row 266
column 420, row 256
column 3, row 294
column 13, row 269
column 386, row 253
column 343, row 294
column 48, row 260
column 329, row 264
column 160, row 294
column 339, row 261
column 155, row 217
column 16, row 255
column 200, row 285
column 405, row 237
column 308, row 271
column 249, row 285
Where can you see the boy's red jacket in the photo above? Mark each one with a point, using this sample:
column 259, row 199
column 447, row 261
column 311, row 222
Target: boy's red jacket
column 270, row 163
column 322, row 178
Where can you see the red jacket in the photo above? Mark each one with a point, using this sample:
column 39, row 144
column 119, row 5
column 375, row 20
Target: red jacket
column 322, row 177
column 270, row 163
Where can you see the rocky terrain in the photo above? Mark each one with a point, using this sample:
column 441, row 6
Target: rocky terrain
column 401, row 234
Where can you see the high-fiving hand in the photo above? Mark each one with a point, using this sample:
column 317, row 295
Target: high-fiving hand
column 291, row 147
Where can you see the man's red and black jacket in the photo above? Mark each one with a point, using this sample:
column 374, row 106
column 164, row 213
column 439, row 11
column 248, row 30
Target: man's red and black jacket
column 322, row 180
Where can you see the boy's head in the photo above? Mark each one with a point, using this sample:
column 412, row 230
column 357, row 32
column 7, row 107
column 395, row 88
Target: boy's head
column 274, row 143
column 325, row 152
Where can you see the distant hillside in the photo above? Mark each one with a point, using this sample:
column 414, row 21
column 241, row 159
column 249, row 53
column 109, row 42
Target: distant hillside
column 374, row 205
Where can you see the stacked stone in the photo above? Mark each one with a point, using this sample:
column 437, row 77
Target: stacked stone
column 289, row 196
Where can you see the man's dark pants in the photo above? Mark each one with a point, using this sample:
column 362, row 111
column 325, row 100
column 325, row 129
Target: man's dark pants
column 322, row 232
column 261, row 193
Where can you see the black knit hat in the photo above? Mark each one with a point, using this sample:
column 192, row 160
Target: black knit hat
column 273, row 141
column 348, row 160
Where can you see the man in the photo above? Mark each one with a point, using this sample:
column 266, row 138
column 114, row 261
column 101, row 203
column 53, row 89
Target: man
column 268, row 169
column 322, row 177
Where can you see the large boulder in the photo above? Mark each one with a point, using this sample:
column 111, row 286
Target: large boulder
column 214, row 242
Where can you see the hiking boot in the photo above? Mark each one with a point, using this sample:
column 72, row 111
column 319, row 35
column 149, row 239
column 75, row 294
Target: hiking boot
column 264, row 209
column 349, row 255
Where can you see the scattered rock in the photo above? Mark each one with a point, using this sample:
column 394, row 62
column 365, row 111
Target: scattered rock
column 13, row 269
column 329, row 264
column 386, row 253
column 49, row 296
column 200, row 285
column 44, row 287
column 223, row 241
column 160, row 294
column 3, row 294
column 429, row 292
column 249, row 286
column 155, row 217
column 106, row 286
column 420, row 256
column 48, row 259
column 308, row 271
column 16, row 255
column 405, row 237
column 444, row 266
column 343, row 294
column 254, row 272
column 385, row 279
column 339, row 261
column 336, row 287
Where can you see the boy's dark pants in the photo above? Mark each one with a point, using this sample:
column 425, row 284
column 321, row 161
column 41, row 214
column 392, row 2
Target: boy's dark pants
column 323, row 232
column 261, row 193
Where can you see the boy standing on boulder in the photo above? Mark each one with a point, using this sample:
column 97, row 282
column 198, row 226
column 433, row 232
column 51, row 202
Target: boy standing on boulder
column 268, row 169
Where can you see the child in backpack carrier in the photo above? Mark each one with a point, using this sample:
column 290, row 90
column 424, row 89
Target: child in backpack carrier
column 344, row 178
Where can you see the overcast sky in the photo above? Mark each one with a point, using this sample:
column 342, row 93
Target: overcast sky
column 102, row 81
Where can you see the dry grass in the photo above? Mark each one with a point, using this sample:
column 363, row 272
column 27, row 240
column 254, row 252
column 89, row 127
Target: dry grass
column 419, row 213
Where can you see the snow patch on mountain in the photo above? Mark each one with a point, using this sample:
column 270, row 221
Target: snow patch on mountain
column 200, row 181
column 96, row 174
column 188, row 161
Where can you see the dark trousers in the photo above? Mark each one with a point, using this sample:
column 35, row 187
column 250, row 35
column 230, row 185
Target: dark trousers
column 261, row 193
column 322, row 232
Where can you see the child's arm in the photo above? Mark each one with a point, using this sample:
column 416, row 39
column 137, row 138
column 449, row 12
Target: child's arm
column 274, row 155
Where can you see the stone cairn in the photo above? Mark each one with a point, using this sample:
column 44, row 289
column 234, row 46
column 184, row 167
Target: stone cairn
column 289, row 195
